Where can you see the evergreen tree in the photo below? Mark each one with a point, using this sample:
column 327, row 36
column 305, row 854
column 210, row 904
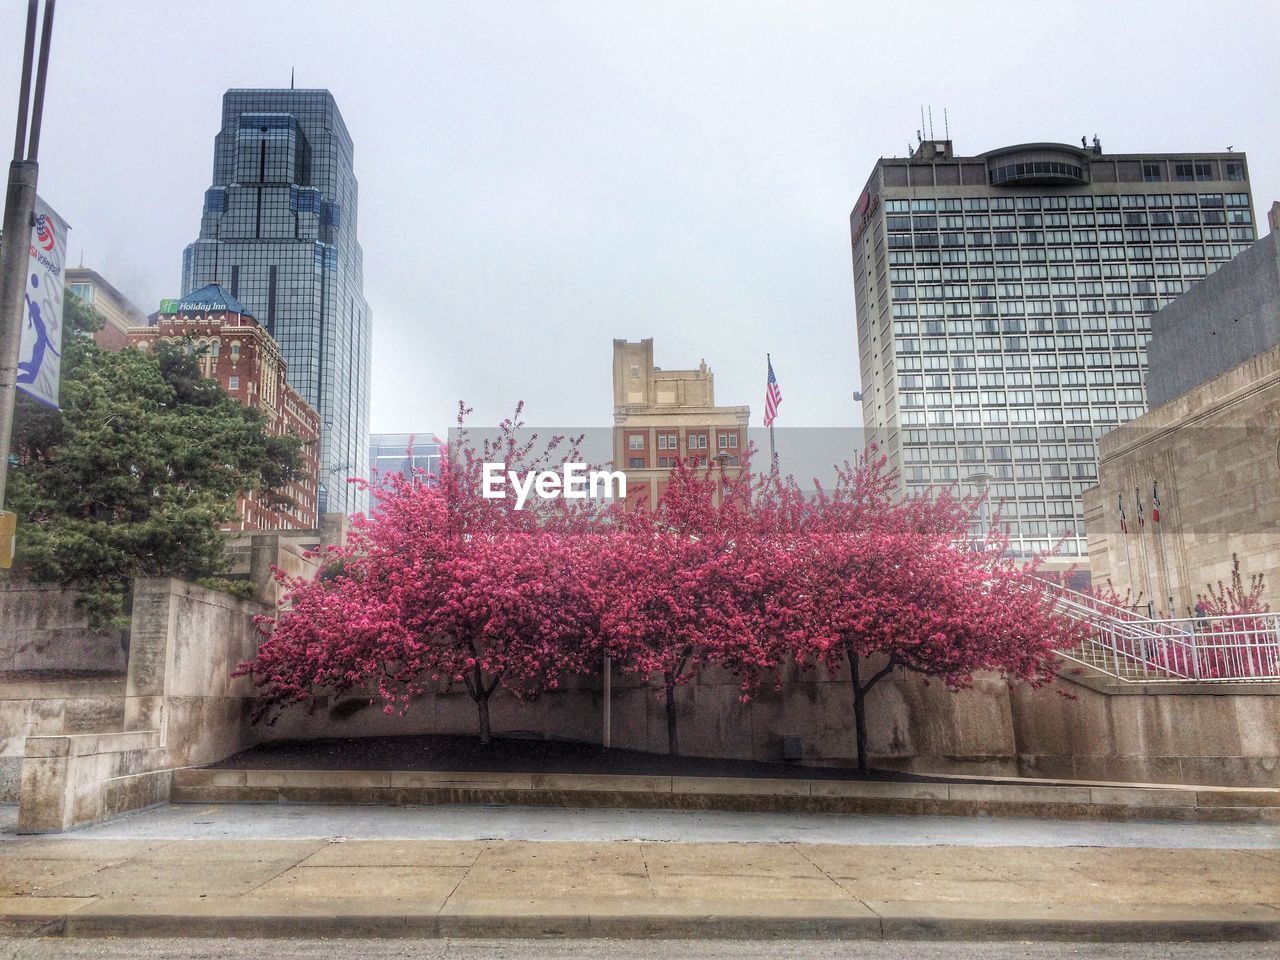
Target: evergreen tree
column 134, row 475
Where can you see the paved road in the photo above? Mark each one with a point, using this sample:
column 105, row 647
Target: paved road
column 304, row 821
column 614, row 950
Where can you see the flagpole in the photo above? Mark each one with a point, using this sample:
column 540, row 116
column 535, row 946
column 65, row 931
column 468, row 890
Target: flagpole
column 1164, row 556
column 1142, row 550
column 1128, row 557
column 773, row 449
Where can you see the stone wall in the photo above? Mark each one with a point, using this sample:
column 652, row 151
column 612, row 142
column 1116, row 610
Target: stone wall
column 1215, row 452
column 912, row 725
column 1191, row 734
column 41, row 629
column 32, row 708
column 1174, row 733
column 179, row 706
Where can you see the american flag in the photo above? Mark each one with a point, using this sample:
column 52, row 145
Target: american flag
column 1124, row 527
column 772, row 396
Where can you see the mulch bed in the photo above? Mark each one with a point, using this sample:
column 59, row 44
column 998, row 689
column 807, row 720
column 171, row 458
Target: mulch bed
column 516, row 755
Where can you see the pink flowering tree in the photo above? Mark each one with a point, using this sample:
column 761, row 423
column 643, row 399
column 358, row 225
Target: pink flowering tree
column 441, row 586
column 880, row 585
column 1236, row 598
column 687, row 584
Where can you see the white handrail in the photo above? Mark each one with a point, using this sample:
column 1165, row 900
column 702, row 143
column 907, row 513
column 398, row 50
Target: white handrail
column 1135, row 648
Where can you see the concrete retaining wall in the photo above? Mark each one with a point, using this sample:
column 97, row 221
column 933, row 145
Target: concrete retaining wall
column 41, row 629
column 1175, row 733
column 1198, row 734
column 178, row 707
column 179, row 697
column 913, row 725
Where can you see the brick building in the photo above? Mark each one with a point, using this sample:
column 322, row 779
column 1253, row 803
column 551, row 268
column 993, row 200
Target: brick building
column 661, row 416
column 246, row 361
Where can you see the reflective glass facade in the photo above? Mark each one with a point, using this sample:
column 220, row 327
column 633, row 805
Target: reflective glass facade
column 1002, row 324
column 279, row 232
column 402, row 453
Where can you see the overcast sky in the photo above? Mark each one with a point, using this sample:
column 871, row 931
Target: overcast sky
column 537, row 179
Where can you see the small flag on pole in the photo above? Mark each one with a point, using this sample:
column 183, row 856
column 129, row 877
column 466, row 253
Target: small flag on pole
column 1155, row 503
column 1124, row 526
column 1137, row 500
column 772, row 396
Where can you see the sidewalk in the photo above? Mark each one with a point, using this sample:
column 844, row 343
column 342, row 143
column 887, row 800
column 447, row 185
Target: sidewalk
column 517, row 888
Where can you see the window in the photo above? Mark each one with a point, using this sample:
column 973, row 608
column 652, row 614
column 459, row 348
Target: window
column 636, row 463
column 1183, row 171
column 635, row 441
column 1151, row 172
column 1235, row 170
column 235, row 350
column 1204, row 171
column 697, row 441
column 233, row 384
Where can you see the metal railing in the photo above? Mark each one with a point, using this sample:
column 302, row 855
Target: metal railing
column 1135, row 648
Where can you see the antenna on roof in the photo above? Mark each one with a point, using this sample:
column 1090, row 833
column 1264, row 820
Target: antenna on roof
column 946, row 125
column 291, row 78
column 930, row 121
column 923, row 126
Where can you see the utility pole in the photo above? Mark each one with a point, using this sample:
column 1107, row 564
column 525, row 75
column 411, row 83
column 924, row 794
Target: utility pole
column 20, row 200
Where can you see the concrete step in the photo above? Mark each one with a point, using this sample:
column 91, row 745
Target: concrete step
column 945, row 796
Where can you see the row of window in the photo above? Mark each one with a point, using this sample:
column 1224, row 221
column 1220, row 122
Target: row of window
column 638, row 463
column 1057, row 453
column 1048, row 378
column 1035, row 221
column 1033, row 261
column 1017, row 398
column 694, row 441
column 1075, row 202
column 1058, row 288
column 948, row 417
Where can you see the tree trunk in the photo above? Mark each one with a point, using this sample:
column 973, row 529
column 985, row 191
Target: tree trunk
column 480, row 694
column 482, row 704
column 859, row 712
column 673, row 746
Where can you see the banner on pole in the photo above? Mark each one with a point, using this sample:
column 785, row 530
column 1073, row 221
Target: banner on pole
column 40, row 355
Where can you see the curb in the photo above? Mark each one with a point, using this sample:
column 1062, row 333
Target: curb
column 1057, row 800
column 852, row 921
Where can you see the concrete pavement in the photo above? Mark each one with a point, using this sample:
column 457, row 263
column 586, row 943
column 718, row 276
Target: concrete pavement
column 92, row 884
column 447, row 949
column 473, row 822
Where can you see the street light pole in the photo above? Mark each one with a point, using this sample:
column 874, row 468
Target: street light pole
column 19, row 206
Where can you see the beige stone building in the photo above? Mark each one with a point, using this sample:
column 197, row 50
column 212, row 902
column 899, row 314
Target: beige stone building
column 661, row 416
column 117, row 311
column 1212, row 447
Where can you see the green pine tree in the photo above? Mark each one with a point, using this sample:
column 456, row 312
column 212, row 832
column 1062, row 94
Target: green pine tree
column 135, row 473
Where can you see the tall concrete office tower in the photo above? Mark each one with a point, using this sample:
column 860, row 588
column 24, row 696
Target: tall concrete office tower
column 279, row 232
column 1003, row 304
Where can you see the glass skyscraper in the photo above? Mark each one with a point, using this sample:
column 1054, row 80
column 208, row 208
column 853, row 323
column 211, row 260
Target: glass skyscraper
column 279, row 231
column 1003, row 311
